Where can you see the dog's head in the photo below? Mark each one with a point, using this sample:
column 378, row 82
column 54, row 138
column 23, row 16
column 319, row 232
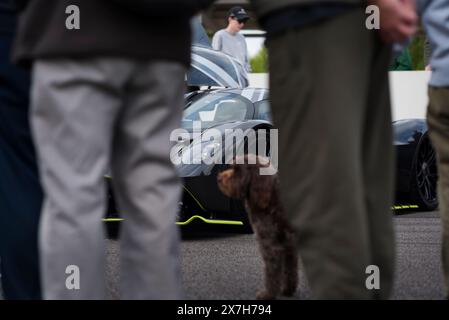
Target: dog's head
column 243, row 181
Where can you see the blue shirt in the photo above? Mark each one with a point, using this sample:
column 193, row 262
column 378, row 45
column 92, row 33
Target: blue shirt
column 435, row 18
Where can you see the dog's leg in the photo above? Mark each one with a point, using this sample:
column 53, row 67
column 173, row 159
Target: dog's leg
column 273, row 270
column 290, row 269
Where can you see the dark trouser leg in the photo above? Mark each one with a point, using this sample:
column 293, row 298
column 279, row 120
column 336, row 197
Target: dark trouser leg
column 320, row 93
column 438, row 120
column 378, row 171
column 20, row 191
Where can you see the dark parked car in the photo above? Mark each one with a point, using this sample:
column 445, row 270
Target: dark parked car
column 225, row 110
column 416, row 170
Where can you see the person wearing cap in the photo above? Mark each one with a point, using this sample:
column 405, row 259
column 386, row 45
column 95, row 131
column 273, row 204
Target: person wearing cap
column 230, row 41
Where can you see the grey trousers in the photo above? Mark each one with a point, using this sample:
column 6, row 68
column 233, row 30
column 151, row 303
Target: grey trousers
column 438, row 121
column 330, row 101
column 89, row 116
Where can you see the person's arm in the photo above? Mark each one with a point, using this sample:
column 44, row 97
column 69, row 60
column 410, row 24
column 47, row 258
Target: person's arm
column 216, row 42
column 247, row 63
column 398, row 19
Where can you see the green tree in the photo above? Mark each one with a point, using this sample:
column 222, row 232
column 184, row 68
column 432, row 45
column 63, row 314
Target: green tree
column 259, row 63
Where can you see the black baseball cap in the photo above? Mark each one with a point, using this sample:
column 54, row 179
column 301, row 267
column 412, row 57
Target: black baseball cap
column 239, row 13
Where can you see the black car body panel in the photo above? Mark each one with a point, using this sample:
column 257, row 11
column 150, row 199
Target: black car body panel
column 202, row 200
column 416, row 171
column 407, row 134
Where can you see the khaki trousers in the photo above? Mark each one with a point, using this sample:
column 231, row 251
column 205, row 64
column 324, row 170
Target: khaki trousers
column 330, row 101
column 438, row 121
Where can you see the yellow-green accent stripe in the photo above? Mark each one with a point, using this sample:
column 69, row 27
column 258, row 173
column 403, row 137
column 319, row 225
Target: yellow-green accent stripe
column 409, row 206
column 188, row 191
column 194, row 198
column 113, row 219
column 210, row 221
column 183, row 223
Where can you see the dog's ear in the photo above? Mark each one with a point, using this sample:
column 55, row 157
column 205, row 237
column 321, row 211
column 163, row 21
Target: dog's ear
column 261, row 188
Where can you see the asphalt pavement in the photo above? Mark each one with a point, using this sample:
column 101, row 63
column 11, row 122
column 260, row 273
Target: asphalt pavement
column 228, row 265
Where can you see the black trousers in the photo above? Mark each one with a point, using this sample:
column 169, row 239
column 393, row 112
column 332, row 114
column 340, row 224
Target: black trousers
column 20, row 191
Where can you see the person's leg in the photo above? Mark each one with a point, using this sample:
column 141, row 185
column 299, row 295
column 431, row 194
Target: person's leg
column 74, row 106
column 319, row 92
column 146, row 184
column 20, row 191
column 438, row 121
column 378, row 169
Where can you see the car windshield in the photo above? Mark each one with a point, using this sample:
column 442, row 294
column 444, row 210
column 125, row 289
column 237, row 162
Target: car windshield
column 216, row 108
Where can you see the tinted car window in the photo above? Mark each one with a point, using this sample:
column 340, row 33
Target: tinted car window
column 263, row 111
column 217, row 108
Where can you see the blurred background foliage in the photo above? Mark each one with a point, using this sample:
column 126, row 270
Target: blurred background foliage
column 259, row 63
column 416, row 49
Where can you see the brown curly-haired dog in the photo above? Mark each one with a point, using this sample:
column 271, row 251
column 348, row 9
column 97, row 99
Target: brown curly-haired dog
column 276, row 239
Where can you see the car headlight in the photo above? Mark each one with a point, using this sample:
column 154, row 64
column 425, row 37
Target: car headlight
column 211, row 151
column 202, row 152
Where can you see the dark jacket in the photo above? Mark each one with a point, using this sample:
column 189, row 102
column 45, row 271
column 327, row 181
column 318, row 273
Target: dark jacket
column 7, row 17
column 107, row 28
column 266, row 7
